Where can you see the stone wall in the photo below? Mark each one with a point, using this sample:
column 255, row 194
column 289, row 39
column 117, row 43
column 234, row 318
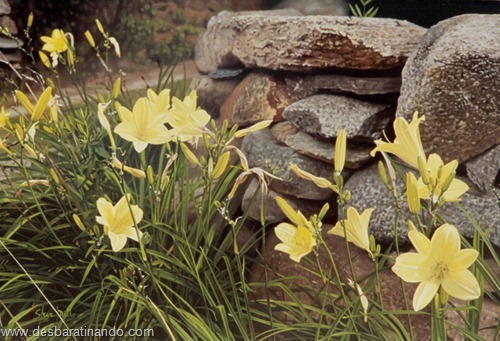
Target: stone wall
column 313, row 75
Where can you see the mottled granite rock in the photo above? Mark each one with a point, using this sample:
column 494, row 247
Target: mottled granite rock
column 325, row 115
column 213, row 49
column 484, row 170
column 259, row 96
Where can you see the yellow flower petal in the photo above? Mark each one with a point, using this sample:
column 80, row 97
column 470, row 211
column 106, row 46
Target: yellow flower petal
column 407, row 145
column 118, row 241
column 421, row 243
column 463, row 259
column 408, row 266
column 462, row 285
column 290, row 213
column 445, row 243
column 424, row 294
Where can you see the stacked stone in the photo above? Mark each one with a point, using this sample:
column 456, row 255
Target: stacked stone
column 9, row 48
column 314, row 75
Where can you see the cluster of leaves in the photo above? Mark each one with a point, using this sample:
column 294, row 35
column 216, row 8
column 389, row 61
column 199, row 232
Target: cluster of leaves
column 363, row 11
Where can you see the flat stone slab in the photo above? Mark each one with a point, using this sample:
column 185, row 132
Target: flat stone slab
column 300, row 86
column 356, row 157
column 213, row 47
column 308, row 43
column 325, row 115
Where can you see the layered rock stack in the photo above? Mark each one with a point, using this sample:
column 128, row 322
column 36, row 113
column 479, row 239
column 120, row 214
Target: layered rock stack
column 9, row 48
column 313, row 75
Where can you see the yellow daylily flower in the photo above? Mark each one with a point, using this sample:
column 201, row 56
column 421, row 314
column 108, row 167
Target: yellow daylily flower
column 4, row 117
column 407, row 145
column 142, row 125
column 438, row 262
column 220, row 166
column 253, row 128
column 340, row 151
column 134, row 171
column 56, row 43
column 119, row 221
column 103, row 120
column 161, row 101
column 115, row 44
column 442, row 185
column 356, row 228
column 296, row 241
column 318, row 181
column 186, row 120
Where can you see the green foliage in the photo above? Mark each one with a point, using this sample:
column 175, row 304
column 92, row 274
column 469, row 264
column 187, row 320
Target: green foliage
column 364, row 12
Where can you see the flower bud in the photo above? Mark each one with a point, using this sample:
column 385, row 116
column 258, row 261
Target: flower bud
column 90, row 38
column 221, row 165
column 412, row 193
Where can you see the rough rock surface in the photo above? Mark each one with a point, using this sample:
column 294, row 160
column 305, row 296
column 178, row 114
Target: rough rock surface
column 9, row 24
column 282, row 130
column 212, row 93
column 368, row 191
column 263, row 150
column 273, row 212
column 325, row 115
column 309, row 43
column 484, row 170
column 300, row 86
column 4, row 7
column 453, row 79
column 306, row 144
column 259, row 96
column 213, row 47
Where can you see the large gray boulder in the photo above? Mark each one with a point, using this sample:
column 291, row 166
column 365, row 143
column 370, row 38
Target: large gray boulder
column 453, row 78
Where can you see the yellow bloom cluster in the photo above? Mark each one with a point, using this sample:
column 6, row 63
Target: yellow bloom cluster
column 146, row 123
column 437, row 181
column 439, row 262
